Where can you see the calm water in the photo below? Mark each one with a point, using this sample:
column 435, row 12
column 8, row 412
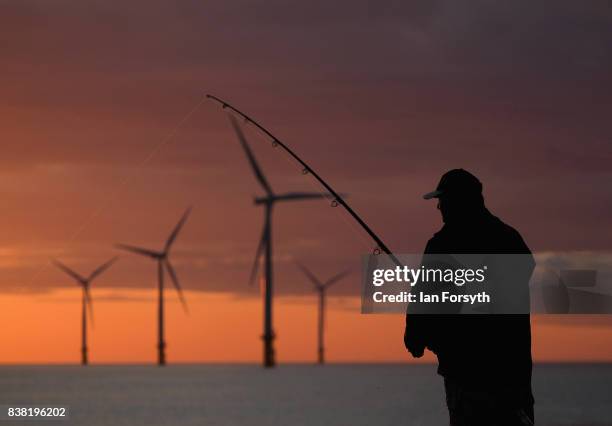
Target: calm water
column 291, row 395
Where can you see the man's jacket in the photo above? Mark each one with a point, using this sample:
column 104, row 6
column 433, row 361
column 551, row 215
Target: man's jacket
column 476, row 350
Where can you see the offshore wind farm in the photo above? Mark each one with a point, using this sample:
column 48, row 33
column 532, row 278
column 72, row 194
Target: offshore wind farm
column 264, row 252
column 332, row 389
column 263, row 248
column 246, row 308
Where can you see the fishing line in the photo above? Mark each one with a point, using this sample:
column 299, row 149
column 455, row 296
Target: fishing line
column 135, row 171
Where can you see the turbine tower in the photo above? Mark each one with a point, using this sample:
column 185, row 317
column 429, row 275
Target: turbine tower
column 85, row 300
column 321, row 287
column 265, row 243
column 161, row 257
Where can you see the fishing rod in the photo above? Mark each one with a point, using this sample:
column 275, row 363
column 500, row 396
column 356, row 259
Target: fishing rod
column 338, row 200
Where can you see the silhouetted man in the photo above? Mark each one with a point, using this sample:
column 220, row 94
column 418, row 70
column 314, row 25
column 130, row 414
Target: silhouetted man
column 485, row 359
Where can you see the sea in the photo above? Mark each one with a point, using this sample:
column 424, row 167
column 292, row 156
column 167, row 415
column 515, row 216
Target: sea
column 289, row 395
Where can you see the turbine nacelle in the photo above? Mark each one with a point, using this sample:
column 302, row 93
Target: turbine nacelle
column 81, row 280
column 319, row 285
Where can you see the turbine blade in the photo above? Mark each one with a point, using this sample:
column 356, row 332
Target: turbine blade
column 333, row 280
column 260, row 247
column 89, row 303
column 138, row 250
column 295, row 196
column 69, row 271
column 177, row 229
column 245, row 145
column 102, row 268
column 310, row 275
column 176, row 285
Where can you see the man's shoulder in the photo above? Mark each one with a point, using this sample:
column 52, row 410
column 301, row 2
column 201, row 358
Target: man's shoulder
column 503, row 227
column 492, row 235
column 437, row 243
column 507, row 237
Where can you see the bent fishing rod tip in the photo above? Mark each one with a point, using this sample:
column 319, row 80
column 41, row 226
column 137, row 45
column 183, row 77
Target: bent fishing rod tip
column 215, row 98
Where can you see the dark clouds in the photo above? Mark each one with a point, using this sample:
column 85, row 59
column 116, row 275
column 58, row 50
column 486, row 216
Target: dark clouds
column 358, row 39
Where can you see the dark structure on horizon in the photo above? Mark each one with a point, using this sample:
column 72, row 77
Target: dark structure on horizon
column 321, row 287
column 161, row 257
column 265, row 244
column 85, row 301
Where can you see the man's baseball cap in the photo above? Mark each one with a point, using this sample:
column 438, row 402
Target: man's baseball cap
column 456, row 182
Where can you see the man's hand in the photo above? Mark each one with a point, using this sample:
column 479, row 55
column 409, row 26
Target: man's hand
column 416, row 348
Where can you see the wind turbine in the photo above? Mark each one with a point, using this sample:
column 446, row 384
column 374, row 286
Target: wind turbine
column 320, row 287
column 265, row 243
column 162, row 262
column 86, row 299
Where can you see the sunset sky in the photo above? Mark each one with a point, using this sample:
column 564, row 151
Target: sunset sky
column 380, row 97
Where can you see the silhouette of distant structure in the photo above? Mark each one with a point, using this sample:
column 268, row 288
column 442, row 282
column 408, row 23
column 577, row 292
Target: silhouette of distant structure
column 86, row 302
column 265, row 243
column 321, row 287
column 163, row 262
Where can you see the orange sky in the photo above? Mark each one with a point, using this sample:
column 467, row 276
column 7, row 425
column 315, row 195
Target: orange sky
column 224, row 328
